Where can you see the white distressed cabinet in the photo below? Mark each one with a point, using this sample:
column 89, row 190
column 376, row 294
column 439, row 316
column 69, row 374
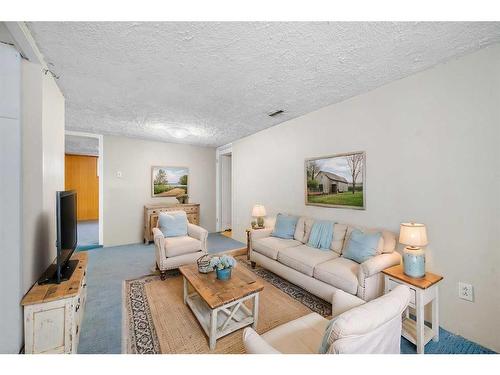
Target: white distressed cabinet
column 53, row 313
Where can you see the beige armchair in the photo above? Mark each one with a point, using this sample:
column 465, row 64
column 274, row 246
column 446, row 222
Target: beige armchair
column 357, row 327
column 173, row 252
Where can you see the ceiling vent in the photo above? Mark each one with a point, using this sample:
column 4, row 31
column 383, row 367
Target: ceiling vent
column 276, row 113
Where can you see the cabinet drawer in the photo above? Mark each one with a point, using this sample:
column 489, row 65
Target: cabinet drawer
column 391, row 284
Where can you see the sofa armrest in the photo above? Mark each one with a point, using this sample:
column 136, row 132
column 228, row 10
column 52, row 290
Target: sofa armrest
column 256, row 234
column 342, row 302
column 199, row 233
column 378, row 263
column 254, row 344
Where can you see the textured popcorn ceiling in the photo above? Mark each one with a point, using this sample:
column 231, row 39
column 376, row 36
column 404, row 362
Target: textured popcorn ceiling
column 220, row 80
column 81, row 145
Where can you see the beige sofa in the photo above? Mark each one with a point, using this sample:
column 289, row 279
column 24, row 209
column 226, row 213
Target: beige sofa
column 357, row 327
column 173, row 252
column 322, row 272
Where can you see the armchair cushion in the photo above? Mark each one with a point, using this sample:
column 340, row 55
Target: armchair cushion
column 175, row 246
column 254, row 344
column 173, row 223
column 299, row 336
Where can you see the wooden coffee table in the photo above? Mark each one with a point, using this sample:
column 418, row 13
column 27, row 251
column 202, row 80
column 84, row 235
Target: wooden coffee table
column 218, row 305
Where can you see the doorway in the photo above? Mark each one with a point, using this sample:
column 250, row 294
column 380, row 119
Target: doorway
column 224, row 191
column 83, row 167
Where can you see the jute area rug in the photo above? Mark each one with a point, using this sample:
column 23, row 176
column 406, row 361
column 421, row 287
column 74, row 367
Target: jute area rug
column 156, row 320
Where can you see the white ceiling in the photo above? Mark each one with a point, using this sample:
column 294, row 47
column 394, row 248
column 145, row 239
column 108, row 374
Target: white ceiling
column 220, row 80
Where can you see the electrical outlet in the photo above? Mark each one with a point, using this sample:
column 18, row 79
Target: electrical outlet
column 466, row 291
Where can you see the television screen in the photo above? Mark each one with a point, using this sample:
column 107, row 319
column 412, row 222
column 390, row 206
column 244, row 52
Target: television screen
column 67, row 222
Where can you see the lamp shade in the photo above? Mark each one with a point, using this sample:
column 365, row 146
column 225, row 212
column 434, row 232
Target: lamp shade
column 413, row 234
column 258, row 210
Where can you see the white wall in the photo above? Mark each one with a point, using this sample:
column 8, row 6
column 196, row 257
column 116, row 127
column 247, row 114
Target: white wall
column 431, row 143
column 125, row 197
column 10, row 200
column 43, row 168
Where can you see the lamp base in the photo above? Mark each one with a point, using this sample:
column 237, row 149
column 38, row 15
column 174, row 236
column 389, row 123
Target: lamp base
column 414, row 262
column 260, row 222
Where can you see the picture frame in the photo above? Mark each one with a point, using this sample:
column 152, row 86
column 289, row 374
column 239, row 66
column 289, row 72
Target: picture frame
column 336, row 181
column 169, row 181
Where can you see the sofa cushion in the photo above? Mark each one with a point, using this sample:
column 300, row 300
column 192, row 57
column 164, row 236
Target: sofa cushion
column 339, row 232
column 285, row 226
column 269, row 246
column 304, row 258
column 340, row 273
column 175, row 246
column 303, row 229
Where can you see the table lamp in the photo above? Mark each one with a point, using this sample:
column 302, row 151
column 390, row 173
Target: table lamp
column 414, row 236
column 259, row 211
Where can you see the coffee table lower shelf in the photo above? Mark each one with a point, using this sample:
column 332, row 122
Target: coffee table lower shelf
column 222, row 320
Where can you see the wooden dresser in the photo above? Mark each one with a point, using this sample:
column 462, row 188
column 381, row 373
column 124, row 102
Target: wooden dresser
column 151, row 212
column 53, row 313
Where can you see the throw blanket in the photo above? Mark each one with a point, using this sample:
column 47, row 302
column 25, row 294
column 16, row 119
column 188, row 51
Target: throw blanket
column 321, row 236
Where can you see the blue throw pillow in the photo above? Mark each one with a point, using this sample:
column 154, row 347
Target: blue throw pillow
column 361, row 246
column 285, row 226
column 173, row 224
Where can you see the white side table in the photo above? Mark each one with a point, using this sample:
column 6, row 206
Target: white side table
column 423, row 291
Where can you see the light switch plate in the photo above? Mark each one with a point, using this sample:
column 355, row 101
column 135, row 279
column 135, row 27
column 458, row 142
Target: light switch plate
column 466, row 291
column 119, row 174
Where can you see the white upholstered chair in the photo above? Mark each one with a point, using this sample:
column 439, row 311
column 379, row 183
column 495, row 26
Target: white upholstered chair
column 357, row 327
column 173, row 252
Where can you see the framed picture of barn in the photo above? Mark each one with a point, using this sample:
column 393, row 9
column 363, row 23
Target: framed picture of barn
column 169, row 181
column 336, row 181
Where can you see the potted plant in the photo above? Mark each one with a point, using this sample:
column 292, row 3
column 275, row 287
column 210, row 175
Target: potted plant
column 223, row 266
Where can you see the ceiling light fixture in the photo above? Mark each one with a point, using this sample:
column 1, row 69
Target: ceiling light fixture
column 178, row 132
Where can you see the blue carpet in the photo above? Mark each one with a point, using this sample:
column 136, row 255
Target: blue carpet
column 448, row 344
column 88, row 234
column 217, row 242
column 109, row 266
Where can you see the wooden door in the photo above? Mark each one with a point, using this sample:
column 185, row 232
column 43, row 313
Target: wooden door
column 81, row 175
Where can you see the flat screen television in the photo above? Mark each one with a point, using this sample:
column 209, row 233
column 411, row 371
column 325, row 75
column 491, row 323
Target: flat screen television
column 66, row 222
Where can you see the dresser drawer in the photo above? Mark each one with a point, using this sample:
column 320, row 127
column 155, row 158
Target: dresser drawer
column 391, row 284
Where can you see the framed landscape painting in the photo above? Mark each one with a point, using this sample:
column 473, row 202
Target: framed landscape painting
column 169, row 181
column 336, row 181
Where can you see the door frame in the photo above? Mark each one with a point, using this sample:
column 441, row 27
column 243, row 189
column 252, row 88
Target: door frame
column 100, row 171
column 219, row 152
